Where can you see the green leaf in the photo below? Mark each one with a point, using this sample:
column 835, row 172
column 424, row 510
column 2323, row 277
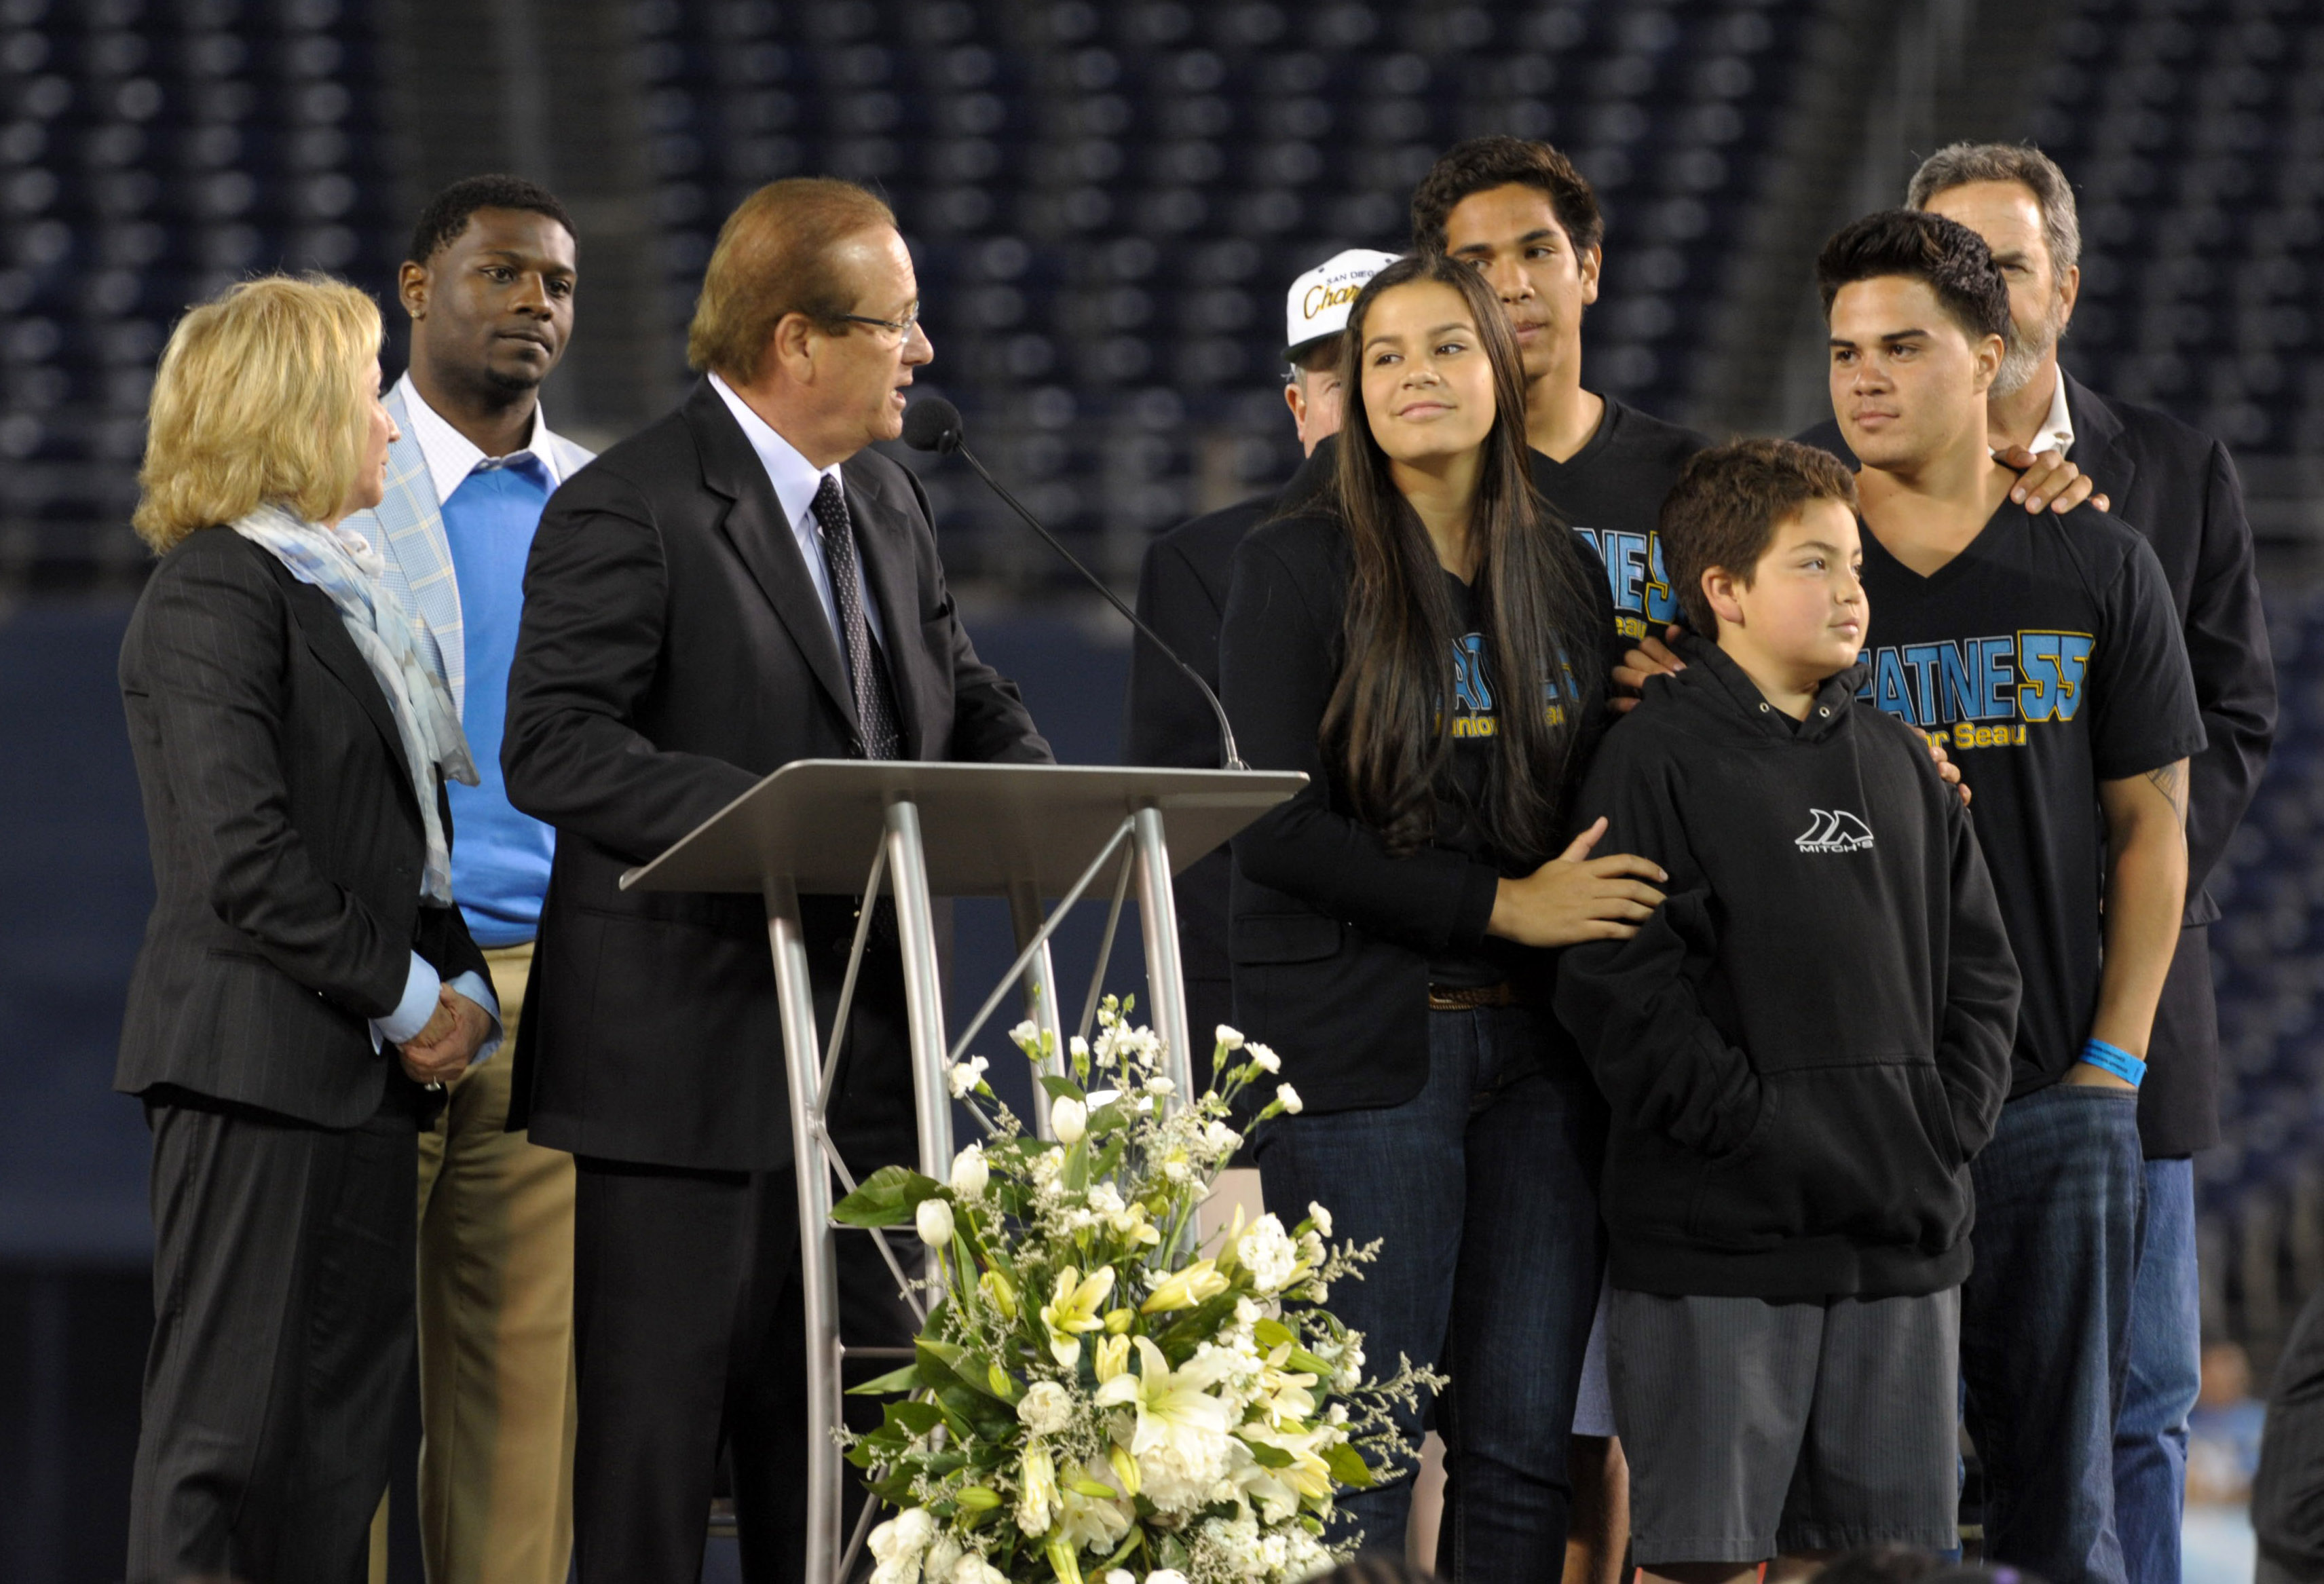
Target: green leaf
column 1306, row 1363
column 887, row 1198
column 1270, row 1333
column 918, row 1418
column 1269, row 1457
column 1063, row 1087
column 1136, row 1538
column 1348, row 1466
column 906, row 1379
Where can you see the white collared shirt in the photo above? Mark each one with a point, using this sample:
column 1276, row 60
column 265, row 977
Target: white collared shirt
column 796, row 481
column 2056, row 432
column 452, row 456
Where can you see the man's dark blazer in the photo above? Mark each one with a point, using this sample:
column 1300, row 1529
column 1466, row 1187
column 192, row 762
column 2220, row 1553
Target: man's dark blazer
column 673, row 652
column 2178, row 486
column 286, row 840
column 1182, row 595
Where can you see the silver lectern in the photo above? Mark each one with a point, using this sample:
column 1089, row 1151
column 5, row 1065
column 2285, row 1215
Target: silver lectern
column 1026, row 833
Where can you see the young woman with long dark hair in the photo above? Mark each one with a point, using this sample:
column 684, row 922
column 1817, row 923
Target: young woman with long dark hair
column 1427, row 643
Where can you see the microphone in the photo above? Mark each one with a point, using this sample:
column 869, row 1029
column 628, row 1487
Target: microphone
column 933, row 424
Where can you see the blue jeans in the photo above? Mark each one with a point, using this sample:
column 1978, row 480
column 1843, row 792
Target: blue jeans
column 1482, row 1189
column 2045, row 1322
column 2166, row 1372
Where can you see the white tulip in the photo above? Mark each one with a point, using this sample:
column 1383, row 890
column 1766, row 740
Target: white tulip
column 934, row 1220
column 969, row 1172
column 1068, row 1120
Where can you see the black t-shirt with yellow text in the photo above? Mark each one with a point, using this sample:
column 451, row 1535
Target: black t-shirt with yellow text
column 2045, row 658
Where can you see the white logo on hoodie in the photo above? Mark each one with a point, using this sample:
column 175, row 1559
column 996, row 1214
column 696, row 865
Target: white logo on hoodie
column 1834, row 829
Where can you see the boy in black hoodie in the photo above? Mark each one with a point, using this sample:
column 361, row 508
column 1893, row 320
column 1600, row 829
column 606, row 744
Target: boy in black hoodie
column 1801, row 1051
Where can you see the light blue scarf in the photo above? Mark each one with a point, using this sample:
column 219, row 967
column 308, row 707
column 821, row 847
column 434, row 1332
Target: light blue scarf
column 347, row 566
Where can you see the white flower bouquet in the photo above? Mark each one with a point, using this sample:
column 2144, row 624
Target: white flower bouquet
column 1095, row 1395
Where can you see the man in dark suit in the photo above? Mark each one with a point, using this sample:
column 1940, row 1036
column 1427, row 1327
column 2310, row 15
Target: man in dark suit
column 2178, row 487
column 741, row 585
column 1181, row 593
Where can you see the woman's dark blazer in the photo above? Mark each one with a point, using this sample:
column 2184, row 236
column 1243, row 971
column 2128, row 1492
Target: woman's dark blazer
column 285, row 841
column 1331, row 935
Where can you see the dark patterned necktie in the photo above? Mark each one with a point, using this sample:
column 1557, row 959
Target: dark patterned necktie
column 875, row 694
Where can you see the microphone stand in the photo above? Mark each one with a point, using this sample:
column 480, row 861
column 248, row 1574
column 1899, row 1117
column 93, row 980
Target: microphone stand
column 1226, row 731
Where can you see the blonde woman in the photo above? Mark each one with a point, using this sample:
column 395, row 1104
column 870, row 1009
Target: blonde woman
column 304, row 977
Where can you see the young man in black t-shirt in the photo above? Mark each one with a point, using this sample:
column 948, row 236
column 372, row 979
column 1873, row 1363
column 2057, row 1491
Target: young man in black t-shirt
column 2046, row 657
column 1528, row 220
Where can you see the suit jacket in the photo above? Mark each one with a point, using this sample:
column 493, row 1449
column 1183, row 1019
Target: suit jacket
column 287, row 845
column 1182, row 595
column 674, row 653
column 2178, row 487
column 408, row 525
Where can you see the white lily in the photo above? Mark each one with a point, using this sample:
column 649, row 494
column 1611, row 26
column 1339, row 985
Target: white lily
column 1076, row 1307
column 1180, row 1434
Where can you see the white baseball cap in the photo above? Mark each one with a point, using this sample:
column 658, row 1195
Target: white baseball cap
column 1320, row 298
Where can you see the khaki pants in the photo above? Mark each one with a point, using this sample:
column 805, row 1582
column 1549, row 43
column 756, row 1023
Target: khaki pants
column 496, row 1397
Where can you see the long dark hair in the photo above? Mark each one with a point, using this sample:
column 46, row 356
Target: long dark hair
column 1389, row 723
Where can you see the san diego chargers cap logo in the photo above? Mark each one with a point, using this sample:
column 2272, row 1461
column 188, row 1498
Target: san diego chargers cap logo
column 1833, row 830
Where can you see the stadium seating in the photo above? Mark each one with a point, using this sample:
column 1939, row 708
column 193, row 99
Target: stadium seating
column 151, row 152
column 1107, row 201
column 2194, row 129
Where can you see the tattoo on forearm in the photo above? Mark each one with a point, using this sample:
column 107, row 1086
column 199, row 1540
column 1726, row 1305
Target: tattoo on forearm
column 2171, row 780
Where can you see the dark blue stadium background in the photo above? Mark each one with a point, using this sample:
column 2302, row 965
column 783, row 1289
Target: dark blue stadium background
column 1105, row 202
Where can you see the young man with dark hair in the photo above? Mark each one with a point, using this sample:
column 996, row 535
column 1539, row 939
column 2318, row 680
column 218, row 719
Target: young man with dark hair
column 1181, row 593
column 1802, row 1049
column 2179, row 488
column 1524, row 215
column 2045, row 652
column 489, row 286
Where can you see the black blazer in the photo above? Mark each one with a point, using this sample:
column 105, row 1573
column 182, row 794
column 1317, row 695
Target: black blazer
column 1331, row 935
column 673, row 652
column 1182, row 595
column 287, row 845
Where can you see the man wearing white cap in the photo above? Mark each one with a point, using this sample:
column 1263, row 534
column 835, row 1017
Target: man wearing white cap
column 1182, row 588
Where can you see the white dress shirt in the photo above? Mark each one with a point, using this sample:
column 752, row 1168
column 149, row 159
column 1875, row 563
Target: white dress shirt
column 452, row 456
column 2056, row 432
column 796, row 481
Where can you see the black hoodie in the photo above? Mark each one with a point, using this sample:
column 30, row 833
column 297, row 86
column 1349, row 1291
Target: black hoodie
column 1807, row 1042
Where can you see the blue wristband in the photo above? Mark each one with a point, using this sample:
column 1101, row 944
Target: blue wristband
column 2113, row 1059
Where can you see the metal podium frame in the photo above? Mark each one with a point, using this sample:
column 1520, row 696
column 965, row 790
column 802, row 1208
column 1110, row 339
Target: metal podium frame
column 1023, row 832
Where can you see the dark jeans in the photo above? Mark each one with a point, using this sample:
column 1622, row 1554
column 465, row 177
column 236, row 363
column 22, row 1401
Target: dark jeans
column 2166, row 1372
column 1482, row 1190
column 2045, row 1321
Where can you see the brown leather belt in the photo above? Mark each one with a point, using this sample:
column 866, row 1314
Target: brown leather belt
column 1446, row 998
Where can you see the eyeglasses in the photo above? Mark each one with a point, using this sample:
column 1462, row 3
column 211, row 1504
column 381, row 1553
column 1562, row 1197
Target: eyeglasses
column 898, row 328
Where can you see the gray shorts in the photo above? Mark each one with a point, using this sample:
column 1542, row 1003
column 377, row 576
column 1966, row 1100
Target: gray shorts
column 1754, row 1429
